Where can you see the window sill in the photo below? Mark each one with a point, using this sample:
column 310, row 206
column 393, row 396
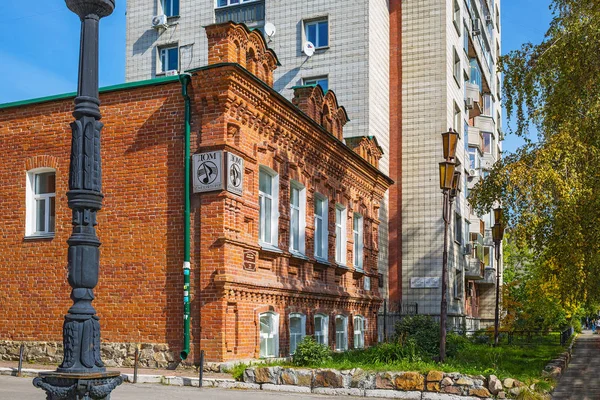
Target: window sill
column 270, row 248
column 342, row 266
column 322, row 261
column 39, row 237
column 301, row 256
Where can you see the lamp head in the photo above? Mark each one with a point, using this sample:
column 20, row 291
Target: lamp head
column 447, row 169
column 449, row 142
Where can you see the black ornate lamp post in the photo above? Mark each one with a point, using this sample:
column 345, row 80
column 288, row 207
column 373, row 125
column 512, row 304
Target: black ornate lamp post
column 82, row 375
column 497, row 235
column 449, row 181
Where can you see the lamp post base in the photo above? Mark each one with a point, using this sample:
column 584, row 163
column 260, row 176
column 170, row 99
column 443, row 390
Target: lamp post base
column 68, row 386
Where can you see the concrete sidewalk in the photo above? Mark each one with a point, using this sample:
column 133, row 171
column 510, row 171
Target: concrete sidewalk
column 580, row 381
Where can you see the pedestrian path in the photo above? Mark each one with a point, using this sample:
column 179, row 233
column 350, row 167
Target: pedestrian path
column 580, row 380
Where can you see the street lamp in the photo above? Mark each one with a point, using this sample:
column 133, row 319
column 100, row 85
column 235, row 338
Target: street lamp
column 497, row 235
column 449, row 183
column 82, row 375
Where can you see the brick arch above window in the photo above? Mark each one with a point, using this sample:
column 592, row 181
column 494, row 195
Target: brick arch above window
column 41, row 161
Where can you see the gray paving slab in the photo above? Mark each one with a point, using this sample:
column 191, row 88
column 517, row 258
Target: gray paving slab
column 580, row 381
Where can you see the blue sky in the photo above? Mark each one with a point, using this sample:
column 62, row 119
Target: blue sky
column 39, row 45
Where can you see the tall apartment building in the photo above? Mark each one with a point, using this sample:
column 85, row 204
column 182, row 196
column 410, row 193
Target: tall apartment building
column 449, row 79
column 405, row 72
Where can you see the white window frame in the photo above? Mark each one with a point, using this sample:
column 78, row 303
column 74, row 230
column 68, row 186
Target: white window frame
column 314, row 81
column 322, row 335
column 272, row 335
column 167, row 7
column 341, row 337
column 456, row 17
column 296, row 337
column 164, row 61
column 321, row 240
column 341, row 236
column 316, row 22
column 263, row 240
column 358, row 235
column 367, row 283
column 30, row 204
column 230, row 3
column 359, row 324
column 456, row 67
column 300, row 247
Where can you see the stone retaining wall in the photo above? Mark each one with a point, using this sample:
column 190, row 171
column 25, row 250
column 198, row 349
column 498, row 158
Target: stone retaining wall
column 357, row 382
column 151, row 355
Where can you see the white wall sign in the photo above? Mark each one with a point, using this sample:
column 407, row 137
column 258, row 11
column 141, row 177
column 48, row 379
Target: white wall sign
column 235, row 174
column 426, row 282
column 207, row 171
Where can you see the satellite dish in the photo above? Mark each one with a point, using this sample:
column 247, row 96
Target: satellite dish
column 309, row 49
column 270, row 30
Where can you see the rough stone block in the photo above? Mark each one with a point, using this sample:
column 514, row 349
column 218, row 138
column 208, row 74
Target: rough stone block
column 384, row 380
column 452, row 390
column 508, row 383
column 464, row 381
column 433, row 386
column 266, row 375
column 494, row 385
column 447, row 381
column 479, row 392
column 409, row 381
column 328, row 378
column 435, row 376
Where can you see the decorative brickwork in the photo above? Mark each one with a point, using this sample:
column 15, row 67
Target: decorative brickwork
column 141, row 223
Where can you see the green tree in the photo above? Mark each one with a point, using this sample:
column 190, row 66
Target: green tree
column 551, row 187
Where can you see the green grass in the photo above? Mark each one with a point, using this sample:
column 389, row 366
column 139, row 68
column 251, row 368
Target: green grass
column 522, row 362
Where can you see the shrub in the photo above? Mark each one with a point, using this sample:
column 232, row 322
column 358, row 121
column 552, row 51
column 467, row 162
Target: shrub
column 423, row 330
column 237, row 371
column 455, row 343
column 309, row 352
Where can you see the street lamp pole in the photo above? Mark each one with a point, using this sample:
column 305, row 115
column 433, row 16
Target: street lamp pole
column 449, row 179
column 497, row 235
column 82, row 375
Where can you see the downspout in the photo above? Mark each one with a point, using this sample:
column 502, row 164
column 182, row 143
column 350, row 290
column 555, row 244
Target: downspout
column 185, row 80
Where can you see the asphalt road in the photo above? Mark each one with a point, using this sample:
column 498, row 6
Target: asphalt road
column 13, row 388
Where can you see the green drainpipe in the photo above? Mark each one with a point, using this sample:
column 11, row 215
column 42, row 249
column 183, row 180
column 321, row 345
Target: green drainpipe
column 185, row 80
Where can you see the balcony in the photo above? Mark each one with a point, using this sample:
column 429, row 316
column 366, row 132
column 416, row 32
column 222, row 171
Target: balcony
column 474, row 269
column 489, row 277
column 251, row 13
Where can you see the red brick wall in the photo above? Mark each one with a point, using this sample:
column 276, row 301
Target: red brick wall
column 138, row 297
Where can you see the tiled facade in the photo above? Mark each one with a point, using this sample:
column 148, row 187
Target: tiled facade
column 239, row 284
column 440, row 48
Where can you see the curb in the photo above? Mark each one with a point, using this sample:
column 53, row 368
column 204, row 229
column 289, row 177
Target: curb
column 233, row 384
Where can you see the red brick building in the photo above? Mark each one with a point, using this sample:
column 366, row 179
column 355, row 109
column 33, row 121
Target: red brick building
column 291, row 254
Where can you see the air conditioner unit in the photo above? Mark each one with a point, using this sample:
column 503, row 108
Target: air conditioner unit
column 472, row 172
column 476, row 27
column 159, row 21
column 488, row 19
column 468, row 248
column 172, row 72
column 469, row 103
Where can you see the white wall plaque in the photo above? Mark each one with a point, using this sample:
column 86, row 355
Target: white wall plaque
column 207, row 171
column 235, row 174
column 426, row 282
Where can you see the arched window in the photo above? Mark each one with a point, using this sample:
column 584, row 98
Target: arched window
column 359, row 332
column 40, row 198
column 297, row 330
column 250, row 61
column 269, row 334
column 341, row 333
column 322, row 329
